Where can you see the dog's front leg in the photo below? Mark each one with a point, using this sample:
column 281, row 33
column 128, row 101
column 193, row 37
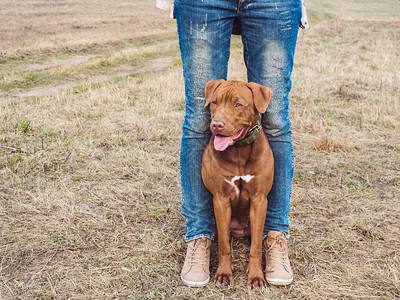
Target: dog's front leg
column 223, row 211
column 258, row 211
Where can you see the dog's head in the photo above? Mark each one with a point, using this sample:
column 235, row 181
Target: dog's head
column 235, row 108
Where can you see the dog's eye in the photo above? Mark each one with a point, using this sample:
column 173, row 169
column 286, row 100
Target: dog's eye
column 214, row 102
column 238, row 104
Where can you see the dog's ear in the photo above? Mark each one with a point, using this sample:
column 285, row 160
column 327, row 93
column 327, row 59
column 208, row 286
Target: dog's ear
column 261, row 95
column 210, row 88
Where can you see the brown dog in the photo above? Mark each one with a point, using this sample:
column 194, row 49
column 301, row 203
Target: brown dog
column 238, row 168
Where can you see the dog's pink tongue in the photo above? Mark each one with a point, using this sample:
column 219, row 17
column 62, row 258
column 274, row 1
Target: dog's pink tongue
column 222, row 142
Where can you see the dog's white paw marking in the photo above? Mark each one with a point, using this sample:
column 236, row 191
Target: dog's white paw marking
column 246, row 178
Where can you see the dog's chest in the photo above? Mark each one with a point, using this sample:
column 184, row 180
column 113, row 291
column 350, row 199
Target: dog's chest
column 236, row 183
column 236, row 173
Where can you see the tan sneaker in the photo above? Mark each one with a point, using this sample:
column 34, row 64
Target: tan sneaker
column 196, row 269
column 277, row 269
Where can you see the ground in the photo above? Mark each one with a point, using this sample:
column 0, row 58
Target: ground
column 91, row 107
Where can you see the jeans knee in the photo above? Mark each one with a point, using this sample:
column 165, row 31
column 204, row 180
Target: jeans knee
column 276, row 123
column 197, row 119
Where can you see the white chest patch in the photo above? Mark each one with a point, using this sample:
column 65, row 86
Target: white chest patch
column 246, row 178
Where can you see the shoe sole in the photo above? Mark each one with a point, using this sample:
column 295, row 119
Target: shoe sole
column 195, row 283
column 275, row 281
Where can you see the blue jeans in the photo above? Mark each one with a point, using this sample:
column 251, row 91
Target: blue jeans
column 269, row 34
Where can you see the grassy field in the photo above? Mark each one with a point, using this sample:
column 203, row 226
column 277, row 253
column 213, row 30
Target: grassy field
column 91, row 106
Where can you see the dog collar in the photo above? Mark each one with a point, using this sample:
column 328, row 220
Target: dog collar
column 251, row 135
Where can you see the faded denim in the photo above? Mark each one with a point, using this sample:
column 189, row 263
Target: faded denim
column 269, row 34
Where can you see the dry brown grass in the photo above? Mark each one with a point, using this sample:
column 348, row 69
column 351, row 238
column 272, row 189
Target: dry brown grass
column 29, row 26
column 89, row 176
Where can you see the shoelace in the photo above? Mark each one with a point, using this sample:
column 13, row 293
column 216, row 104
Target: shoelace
column 197, row 255
column 277, row 254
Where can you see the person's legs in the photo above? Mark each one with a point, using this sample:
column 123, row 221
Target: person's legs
column 269, row 34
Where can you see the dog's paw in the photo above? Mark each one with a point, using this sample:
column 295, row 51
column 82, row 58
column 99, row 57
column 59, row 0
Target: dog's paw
column 256, row 280
column 223, row 276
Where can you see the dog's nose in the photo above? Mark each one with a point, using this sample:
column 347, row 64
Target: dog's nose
column 217, row 125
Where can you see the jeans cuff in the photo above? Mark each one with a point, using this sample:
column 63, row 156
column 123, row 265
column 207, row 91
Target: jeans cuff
column 211, row 237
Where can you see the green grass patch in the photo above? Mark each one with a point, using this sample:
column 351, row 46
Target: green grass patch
column 26, row 80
